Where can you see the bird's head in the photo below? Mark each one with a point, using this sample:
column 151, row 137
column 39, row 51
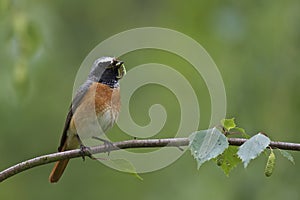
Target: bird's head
column 107, row 70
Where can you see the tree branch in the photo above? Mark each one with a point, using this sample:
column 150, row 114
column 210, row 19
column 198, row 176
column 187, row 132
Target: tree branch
column 170, row 142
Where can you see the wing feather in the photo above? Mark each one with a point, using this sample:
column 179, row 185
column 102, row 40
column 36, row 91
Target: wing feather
column 74, row 105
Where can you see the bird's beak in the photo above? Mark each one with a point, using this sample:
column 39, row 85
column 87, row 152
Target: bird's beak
column 119, row 63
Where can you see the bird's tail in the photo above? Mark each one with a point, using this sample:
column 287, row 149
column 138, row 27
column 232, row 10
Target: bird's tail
column 58, row 170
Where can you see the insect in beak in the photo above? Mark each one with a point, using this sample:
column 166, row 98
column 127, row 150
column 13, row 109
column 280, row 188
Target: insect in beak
column 121, row 69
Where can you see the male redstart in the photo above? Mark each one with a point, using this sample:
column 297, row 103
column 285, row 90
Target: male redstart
column 96, row 104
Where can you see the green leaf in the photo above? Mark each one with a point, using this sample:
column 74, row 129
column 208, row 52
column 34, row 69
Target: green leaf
column 27, row 34
column 238, row 129
column 207, row 144
column 125, row 166
column 253, row 147
column 241, row 131
column 228, row 160
column 270, row 164
column 287, row 155
column 228, row 123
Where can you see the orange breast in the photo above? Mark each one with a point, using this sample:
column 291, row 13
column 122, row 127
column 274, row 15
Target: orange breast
column 98, row 111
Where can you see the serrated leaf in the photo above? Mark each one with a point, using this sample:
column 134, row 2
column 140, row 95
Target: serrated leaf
column 207, row 144
column 228, row 123
column 252, row 148
column 125, row 166
column 228, row 160
column 287, row 155
column 270, row 164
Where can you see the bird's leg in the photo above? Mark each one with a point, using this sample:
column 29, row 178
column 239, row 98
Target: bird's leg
column 108, row 145
column 83, row 149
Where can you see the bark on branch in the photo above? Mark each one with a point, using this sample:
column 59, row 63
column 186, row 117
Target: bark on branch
column 170, row 142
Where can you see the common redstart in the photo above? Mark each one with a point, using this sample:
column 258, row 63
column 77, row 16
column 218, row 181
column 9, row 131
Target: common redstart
column 96, row 104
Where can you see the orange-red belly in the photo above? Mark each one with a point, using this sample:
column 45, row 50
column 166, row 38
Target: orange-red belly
column 97, row 113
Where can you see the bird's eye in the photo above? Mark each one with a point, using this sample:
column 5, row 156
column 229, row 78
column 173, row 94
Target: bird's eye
column 112, row 64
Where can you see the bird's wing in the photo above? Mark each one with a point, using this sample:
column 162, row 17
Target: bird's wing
column 75, row 103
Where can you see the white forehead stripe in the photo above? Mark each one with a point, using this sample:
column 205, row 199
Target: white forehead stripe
column 104, row 59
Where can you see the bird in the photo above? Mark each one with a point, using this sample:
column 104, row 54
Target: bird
column 93, row 110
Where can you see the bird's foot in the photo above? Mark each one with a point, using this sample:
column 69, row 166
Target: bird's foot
column 107, row 144
column 83, row 150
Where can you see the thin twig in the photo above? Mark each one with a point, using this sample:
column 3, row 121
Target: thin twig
column 149, row 143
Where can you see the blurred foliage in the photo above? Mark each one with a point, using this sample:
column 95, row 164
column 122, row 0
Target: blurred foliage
column 255, row 45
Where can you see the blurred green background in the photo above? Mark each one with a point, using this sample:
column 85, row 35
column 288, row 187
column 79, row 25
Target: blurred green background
column 255, row 44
